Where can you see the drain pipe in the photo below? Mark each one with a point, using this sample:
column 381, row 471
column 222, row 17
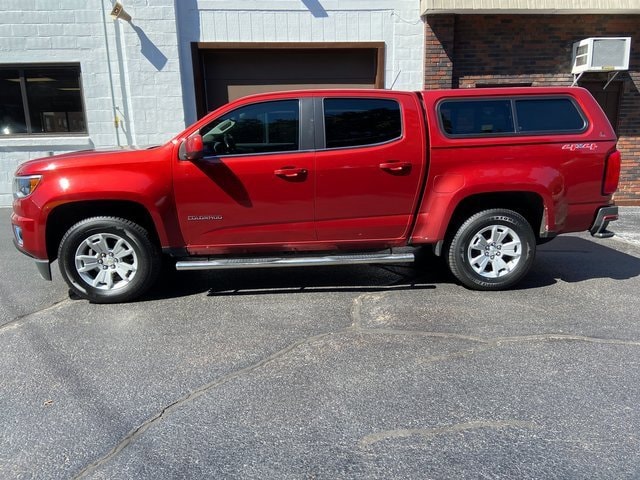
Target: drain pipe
column 116, row 119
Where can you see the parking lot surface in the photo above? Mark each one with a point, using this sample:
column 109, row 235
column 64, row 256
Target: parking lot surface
column 343, row 372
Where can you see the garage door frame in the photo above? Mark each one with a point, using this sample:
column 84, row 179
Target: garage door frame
column 198, row 48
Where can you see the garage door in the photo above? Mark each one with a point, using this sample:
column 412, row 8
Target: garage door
column 227, row 74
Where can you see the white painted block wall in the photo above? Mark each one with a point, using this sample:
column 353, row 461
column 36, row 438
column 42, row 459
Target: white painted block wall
column 147, row 89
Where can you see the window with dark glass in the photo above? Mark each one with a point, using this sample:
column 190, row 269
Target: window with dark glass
column 258, row 128
column 548, row 115
column 351, row 122
column 476, row 117
column 41, row 100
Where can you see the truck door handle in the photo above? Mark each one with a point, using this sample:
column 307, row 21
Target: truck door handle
column 395, row 166
column 290, row 172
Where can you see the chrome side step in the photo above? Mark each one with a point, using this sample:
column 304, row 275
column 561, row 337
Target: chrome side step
column 307, row 261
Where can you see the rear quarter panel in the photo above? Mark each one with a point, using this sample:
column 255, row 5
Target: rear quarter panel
column 565, row 170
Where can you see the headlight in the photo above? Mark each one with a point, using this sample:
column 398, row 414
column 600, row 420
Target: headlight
column 24, row 186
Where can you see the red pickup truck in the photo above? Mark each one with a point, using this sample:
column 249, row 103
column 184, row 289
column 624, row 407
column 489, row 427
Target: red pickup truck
column 329, row 177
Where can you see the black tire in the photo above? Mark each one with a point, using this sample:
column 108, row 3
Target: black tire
column 108, row 259
column 492, row 250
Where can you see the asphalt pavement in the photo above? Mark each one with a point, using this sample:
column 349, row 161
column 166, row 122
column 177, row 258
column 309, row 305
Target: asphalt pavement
column 627, row 228
column 344, row 372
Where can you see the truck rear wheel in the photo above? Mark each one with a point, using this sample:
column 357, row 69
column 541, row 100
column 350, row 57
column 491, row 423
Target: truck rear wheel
column 492, row 250
column 108, row 259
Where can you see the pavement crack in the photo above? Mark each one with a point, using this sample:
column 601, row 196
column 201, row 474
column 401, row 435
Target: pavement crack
column 497, row 341
column 15, row 322
column 457, row 354
column 427, row 433
column 421, row 333
column 549, row 337
column 193, row 395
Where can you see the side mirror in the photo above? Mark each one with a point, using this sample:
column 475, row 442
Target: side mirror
column 192, row 148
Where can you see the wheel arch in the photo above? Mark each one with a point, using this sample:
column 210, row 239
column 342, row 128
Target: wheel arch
column 64, row 216
column 528, row 204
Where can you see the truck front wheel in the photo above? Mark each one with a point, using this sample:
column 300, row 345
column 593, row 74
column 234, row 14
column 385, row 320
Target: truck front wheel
column 492, row 250
column 108, row 259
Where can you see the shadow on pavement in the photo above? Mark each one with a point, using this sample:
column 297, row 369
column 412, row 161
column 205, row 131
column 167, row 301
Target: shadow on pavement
column 360, row 279
column 572, row 259
column 569, row 259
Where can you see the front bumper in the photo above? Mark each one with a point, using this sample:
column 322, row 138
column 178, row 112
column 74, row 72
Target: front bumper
column 603, row 217
column 26, row 241
column 43, row 266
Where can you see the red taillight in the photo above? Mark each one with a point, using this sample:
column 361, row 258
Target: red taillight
column 611, row 173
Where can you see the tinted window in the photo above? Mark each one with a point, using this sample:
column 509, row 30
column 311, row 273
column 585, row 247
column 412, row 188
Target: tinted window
column 476, row 117
column 12, row 118
column 259, row 128
column 351, row 122
column 52, row 97
column 548, row 115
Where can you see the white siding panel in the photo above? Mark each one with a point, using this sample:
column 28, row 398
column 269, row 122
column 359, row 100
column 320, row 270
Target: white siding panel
column 316, row 28
column 329, row 29
column 269, row 25
column 364, row 26
column 219, row 28
column 293, row 26
column 377, row 22
column 341, row 21
column 352, row 31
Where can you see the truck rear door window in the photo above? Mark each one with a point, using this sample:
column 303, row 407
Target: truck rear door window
column 549, row 115
column 352, row 122
column 476, row 117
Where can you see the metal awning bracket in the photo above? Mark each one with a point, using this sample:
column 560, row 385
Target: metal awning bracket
column 576, row 78
column 610, row 77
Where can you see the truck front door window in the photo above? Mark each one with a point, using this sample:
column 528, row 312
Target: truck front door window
column 259, row 128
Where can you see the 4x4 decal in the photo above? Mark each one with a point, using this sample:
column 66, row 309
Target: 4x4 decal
column 580, row 146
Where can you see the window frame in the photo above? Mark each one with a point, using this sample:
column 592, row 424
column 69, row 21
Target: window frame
column 22, row 69
column 321, row 136
column 304, row 141
column 514, row 115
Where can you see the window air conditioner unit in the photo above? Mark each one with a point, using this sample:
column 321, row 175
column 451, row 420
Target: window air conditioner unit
column 601, row 54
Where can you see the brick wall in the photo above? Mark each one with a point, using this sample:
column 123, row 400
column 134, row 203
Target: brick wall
column 439, row 51
column 465, row 51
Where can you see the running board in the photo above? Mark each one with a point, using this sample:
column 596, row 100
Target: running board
column 269, row 262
